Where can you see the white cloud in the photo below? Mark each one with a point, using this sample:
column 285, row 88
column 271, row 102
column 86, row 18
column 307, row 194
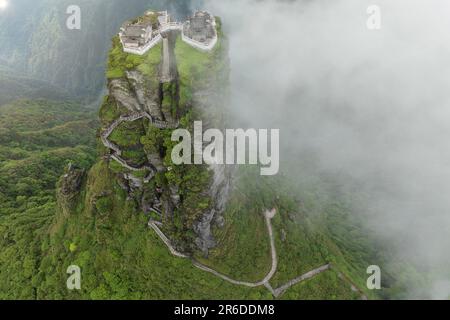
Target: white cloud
column 4, row 4
column 370, row 104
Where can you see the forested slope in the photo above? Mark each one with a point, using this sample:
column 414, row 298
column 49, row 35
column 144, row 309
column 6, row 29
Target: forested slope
column 37, row 140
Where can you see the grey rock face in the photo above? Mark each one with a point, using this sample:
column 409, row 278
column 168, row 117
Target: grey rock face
column 123, row 183
column 157, row 98
column 205, row 240
column 70, row 188
column 208, row 101
column 146, row 93
column 119, row 89
column 219, row 192
column 135, row 183
column 147, row 202
column 156, row 161
column 174, row 195
column 71, row 182
column 283, row 235
column 136, row 80
column 220, row 221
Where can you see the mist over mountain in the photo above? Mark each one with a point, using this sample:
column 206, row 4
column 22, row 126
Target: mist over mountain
column 369, row 107
column 365, row 108
column 36, row 42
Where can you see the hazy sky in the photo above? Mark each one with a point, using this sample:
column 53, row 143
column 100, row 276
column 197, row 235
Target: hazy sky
column 373, row 105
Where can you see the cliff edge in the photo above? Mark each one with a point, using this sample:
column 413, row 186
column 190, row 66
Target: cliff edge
column 169, row 87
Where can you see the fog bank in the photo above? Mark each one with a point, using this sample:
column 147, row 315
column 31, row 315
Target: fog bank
column 373, row 105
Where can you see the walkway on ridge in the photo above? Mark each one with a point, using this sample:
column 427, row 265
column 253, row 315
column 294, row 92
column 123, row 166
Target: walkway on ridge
column 265, row 282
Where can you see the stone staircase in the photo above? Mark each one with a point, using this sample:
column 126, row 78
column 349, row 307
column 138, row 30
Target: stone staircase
column 117, row 152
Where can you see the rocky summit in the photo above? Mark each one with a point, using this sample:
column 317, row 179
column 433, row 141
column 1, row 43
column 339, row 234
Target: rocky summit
column 150, row 95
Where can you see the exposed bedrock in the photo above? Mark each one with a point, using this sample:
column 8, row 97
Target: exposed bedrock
column 156, row 161
column 146, row 93
column 155, row 100
column 219, row 193
column 120, row 90
column 70, row 186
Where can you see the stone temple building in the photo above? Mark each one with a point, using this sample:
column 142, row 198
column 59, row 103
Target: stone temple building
column 200, row 27
column 140, row 35
column 136, row 35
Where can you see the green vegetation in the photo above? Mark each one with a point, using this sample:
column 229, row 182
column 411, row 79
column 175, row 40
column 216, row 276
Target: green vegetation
column 119, row 61
column 196, row 68
column 32, row 115
column 191, row 183
column 120, row 257
column 170, row 103
column 14, row 86
column 109, row 111
column 243, row 250
column 128, row 136
column 327, row 285
column 38, row 139
column 100, row 227
column 36, row 142
column 314, row 226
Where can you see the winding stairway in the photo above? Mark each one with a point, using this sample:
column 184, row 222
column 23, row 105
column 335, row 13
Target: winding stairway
column 265, row 282
column 117, row 152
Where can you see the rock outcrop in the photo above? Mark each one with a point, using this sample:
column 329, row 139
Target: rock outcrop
column 69, row 188
column 188, row 200
column 71, row 181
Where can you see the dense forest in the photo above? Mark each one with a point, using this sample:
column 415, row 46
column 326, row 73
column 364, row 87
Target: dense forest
column 38, row 139
column 119, row 255
column 107, row 235
column 95, row 224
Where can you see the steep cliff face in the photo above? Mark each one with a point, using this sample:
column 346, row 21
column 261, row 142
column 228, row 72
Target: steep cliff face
column 149, row 96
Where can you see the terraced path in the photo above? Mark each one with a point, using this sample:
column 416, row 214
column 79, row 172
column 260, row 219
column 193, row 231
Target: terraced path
column 117, row 152
column 265, row 282
column 269, row 215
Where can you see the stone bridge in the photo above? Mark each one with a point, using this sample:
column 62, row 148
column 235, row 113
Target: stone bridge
column 171, row 26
